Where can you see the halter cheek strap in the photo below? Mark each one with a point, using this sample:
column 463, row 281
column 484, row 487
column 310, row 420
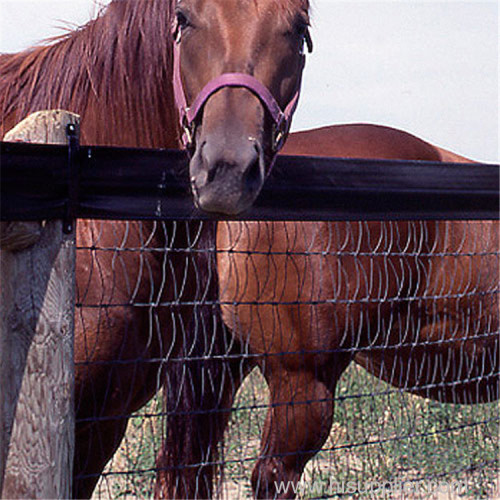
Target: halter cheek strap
column 188, row 114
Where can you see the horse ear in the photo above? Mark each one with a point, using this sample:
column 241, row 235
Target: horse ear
column 309, row 41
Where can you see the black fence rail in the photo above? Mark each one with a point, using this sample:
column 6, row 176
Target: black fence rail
column 121, row 183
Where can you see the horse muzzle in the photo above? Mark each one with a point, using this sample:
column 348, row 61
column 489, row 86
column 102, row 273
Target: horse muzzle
column 227, row 178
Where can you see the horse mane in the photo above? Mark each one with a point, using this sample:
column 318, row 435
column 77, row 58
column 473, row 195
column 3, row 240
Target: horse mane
column 115, row 72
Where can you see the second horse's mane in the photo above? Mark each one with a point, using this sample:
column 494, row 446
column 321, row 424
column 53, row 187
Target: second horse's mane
column 115, row 72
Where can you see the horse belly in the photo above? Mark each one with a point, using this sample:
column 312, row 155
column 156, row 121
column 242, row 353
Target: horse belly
column 416, row 303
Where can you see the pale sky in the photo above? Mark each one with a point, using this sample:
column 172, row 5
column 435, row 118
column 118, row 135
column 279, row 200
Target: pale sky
column 428, row 67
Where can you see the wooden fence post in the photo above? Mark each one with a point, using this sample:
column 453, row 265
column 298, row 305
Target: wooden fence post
column 36, row 342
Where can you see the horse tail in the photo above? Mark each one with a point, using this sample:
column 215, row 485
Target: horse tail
column 200, row 386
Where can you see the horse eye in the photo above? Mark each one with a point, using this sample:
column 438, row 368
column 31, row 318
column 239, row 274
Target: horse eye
column 182, row 20
column 301, row 32
column 301, row 29
column 305, row 41
column 300, row 25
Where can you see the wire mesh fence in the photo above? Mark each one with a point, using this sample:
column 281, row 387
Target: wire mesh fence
column 348, row 359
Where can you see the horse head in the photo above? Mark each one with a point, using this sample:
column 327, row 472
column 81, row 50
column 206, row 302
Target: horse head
column 237, row 72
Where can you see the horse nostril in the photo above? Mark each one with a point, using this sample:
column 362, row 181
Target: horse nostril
column 211, row 173
column 252, row 177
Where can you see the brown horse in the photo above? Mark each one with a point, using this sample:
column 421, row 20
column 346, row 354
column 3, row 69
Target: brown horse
column 415, row 303
column 116, row 72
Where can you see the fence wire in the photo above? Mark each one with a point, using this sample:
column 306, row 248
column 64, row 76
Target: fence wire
column 403, row 314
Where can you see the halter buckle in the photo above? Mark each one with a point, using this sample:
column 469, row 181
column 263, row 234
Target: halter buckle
column 187, row 131
column 280, row 133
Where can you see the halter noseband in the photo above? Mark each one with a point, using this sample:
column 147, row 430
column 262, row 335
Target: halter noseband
column 188, row 114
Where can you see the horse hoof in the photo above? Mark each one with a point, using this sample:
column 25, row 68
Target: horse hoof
column 271, row 480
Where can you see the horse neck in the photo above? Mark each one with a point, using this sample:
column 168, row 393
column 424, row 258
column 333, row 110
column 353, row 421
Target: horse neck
column 115, row 72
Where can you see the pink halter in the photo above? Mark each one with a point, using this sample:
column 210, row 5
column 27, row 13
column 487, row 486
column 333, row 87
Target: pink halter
column 188, row 114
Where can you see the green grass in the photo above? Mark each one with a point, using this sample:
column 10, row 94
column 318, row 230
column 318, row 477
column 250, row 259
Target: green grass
column 392, row 436
column 396, row 437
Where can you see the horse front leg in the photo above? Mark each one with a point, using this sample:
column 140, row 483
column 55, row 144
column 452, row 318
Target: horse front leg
column 95, row 444
column 199, row 396
column 298, row 423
